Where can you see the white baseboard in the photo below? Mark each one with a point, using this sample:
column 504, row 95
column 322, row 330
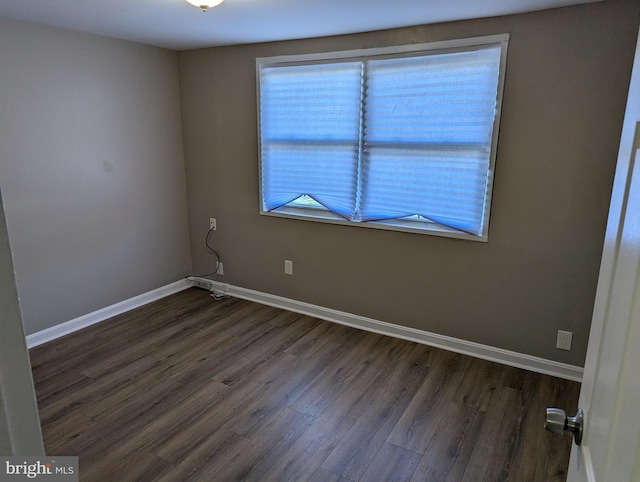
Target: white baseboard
column 89, row 319
column 499, row 355
column 486, row 352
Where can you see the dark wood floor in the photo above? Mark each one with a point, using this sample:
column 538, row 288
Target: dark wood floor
column 188, row 388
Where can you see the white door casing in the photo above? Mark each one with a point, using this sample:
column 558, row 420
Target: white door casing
column 20, row 432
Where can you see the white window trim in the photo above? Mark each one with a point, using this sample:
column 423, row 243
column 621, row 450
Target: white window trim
column 434, row 229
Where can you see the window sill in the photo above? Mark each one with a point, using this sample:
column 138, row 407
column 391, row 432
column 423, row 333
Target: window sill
column 401, row 225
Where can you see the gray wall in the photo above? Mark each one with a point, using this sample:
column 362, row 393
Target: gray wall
column 91, row 168
column 566, row 82
column 20, row 432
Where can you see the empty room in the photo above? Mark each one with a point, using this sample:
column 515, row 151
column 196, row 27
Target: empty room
column 320, row 241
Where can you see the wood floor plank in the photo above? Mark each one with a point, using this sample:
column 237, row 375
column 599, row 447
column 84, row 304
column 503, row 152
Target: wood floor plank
column 322, row 475
column 304, row 456
column 252, row 356
column 269, row 397
column 273, row 437
column 91, row 345
column 103, row 437
column 544, row 391
column 385, row 407
column 315, row 339
column 481, row 462
column 192, row 436
column 136, row 466
column 68, row 435
column 415, row 429
column 67, row 395
column 339, row 374
column 235, row 411
column 392, row 463
column 207, row 459
column 149, row 436
column 189, row 388
column 314, row 446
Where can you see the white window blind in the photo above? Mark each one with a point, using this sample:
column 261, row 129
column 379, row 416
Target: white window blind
column 310, row 118
column 383, row 137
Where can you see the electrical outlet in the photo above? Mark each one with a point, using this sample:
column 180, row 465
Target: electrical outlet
column 212, row 224
column 563, row 342
column 219, row 268
column 288, row 266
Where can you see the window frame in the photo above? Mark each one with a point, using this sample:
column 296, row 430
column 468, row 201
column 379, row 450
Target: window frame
column 410, row 226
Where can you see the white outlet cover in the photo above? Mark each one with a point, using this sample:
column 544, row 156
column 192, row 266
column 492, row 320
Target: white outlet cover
column 563, row 342
column 288, row 266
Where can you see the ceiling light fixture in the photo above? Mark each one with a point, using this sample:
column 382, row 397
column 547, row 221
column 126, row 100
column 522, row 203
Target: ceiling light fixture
column 205, row 5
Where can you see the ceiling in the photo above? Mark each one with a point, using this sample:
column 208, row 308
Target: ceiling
column 176, row 25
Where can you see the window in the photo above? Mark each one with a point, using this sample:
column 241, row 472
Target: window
column 397, row 138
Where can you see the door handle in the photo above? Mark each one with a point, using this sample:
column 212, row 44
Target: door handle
column 558, row 422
